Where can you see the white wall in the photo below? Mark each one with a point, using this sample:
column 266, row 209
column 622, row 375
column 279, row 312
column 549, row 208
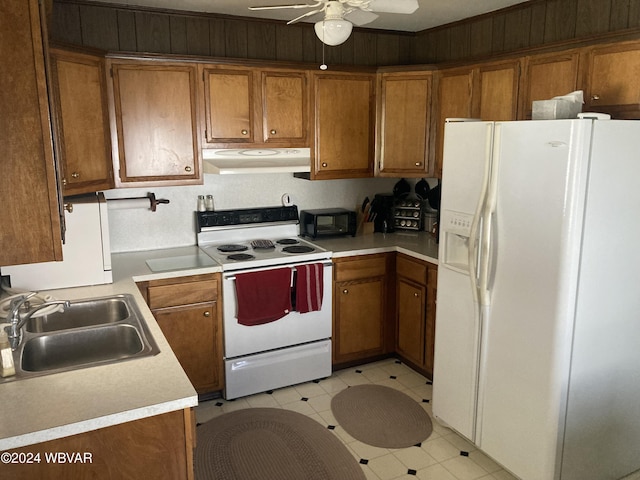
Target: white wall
column 173, row 225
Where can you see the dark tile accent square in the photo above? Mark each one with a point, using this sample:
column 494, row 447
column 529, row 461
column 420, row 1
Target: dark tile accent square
column 463, row 453
column 393, row 377
column 411, row 471
column 331, row 427
column 304, row 399
column 358, row 371
column 219, row 404
column 364, row 461
column 398, row 362
column 425, row 400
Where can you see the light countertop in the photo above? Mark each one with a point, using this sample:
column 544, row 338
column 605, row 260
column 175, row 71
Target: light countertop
column 62, row 404
column 421, row 245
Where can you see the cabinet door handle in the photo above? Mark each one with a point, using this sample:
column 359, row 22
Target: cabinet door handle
column 416, row 294
column 595, row 97
column 68, row 207
column 324, row 164
column 273, row 132
column 187, row 168
column 418, row 164
column 207, row 313
column 75, row 175
column 245, row 132
column 345, row 291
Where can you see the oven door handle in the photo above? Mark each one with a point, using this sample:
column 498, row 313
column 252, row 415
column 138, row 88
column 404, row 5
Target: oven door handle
column 232, row 278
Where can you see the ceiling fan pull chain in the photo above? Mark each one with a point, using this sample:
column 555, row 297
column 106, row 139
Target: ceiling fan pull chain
column 324, row 65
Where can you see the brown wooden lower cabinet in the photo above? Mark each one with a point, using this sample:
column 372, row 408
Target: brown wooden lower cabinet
column 155, row 447
column 416, row 286
column 188, row 311
column 361, row 319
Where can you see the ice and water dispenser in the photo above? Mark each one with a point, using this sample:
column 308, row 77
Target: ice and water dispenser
column 455, row 230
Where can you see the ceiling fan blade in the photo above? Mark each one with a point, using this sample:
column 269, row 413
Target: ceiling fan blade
column 360, row 17
column 304, row 15
column 276, row 7
column 393, row 6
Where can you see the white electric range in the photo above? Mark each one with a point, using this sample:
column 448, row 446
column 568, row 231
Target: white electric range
column 293, row 349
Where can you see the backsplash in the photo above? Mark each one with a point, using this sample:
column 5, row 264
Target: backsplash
column 173, row 225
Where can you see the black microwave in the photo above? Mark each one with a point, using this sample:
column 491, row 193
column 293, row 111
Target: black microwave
column 327, row 222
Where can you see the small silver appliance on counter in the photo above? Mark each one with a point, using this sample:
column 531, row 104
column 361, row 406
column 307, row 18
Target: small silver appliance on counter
column 86, row 252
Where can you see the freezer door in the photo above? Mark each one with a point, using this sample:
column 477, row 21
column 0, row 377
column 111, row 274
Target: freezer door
column 540, row 168
column 467, row 154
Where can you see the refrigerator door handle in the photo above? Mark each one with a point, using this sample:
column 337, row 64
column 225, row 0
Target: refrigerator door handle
column 479, row 226
column 487, row 253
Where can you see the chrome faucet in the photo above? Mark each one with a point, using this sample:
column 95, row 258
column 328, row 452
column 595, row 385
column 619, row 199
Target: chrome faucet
column 14, row 330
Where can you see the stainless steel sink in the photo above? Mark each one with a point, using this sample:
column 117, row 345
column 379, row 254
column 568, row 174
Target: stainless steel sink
column 80, row 347
column 82, row 313
column 89, row 333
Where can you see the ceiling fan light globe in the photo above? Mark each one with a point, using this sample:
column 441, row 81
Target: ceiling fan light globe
column 333, row 32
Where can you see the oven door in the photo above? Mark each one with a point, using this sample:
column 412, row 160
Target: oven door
column 293, row 329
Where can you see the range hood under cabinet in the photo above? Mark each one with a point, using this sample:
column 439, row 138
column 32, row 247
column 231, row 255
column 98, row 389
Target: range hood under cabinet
column 256, row 160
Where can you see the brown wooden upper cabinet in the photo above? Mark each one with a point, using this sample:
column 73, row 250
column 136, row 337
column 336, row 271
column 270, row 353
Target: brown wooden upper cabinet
column 488, row 91
column 30, row 213
column 454, row 88
column 155, row 117
column 344, row 119
column 82, row 133
column 495, row 91
column 612, row 80
column 404, row 118
column 249, row 106
column 546, row 76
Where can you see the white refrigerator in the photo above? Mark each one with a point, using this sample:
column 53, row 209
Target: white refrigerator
column 537, row 343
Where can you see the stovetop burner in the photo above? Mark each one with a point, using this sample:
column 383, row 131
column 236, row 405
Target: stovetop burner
column 298, row 249
column 287, row 241
column 240, row 256
column 232, row 248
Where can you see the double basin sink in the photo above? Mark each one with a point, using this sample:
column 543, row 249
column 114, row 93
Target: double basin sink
column 90, row 332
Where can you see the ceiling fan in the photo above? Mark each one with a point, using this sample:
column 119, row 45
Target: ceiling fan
column 340, row 15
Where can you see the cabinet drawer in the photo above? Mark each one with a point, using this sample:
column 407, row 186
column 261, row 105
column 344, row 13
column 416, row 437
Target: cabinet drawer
column 416, row 271
column 363, row 267
column 182, row 293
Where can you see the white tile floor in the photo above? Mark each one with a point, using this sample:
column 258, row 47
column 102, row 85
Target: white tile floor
column 438, row 458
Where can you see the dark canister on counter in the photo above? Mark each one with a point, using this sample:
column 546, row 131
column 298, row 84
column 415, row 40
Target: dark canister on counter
column 383, row 206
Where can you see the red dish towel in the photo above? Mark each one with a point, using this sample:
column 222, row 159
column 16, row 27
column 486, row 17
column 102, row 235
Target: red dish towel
column 263, row 296
column 309, row 287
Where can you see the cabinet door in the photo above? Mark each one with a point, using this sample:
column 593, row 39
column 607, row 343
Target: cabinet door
column 545, row 77
column 83, row 137
column 613, row 80
column 405, row 115
column 156, row 119
column 30, row 213
column 229, row 106
column 454, row 101
column 411, row 321
column 496, row 91
column 358, row 319
column 193, row 332
column 284, row 108
column 344, row 126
